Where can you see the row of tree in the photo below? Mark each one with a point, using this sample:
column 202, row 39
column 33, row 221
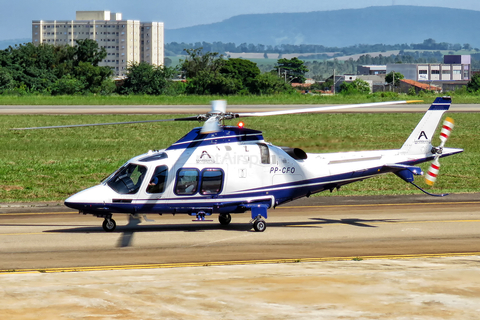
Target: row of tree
column 175, row 48
column 210, row 73
column 57, row 70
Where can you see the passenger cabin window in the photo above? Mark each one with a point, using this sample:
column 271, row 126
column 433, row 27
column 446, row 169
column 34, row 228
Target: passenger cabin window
column 212, row 181
column 128, row 179
column 187, row 181
column 264, row 153
column 158, row 181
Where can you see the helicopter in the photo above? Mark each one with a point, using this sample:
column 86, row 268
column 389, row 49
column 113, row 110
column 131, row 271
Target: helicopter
column 225, row 170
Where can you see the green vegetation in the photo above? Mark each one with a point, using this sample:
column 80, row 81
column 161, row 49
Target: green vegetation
column 293, row 98
column 46, row 165
column 321, row 60
column 55, row 70
column 175, row 48
column 293, row 70
column 210, row 73
column 357, row 86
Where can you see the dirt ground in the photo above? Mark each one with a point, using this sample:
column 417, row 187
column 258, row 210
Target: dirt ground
column 426, row 288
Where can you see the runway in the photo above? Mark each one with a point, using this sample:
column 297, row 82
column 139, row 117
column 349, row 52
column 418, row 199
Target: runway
column 307, row 229
column 200, row 109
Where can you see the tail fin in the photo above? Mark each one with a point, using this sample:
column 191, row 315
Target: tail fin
column 420, row 139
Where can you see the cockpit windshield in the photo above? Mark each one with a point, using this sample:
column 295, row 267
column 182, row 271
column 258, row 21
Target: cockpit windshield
column 128, row 179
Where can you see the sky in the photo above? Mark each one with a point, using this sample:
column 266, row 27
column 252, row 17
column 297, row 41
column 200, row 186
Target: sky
column 16, row 16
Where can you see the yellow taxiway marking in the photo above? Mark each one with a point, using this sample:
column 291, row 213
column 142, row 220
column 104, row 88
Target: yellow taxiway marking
column 24, row 233
column 313, row 225
column 232, row 263
column 36, row 213
column 379, row 205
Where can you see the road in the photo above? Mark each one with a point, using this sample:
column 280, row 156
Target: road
column 310, row 228
column 190, row 109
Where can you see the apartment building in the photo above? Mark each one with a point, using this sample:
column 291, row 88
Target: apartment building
column 126, row 41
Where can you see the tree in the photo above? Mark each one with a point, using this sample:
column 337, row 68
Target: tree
column 293, row 69
column 213, row 83
column 355, row 87
column 87, row 50
column 197, row 61
column 474, row 84
column 270, row 83
column 244, row 71
column 390, row 77
column 48, row 68
column 144, row 78
column 94, row 79
column 67, row 85
column 6, row 80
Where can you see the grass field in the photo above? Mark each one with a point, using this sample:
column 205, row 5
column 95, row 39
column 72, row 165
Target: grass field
column 47, row 165
column 295, row 98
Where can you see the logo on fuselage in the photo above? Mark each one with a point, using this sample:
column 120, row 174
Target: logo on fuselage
column 205, row 153
column 205, row 158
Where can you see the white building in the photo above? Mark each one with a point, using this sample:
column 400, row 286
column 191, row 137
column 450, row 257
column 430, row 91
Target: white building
column 126, row 41
column 456, row 68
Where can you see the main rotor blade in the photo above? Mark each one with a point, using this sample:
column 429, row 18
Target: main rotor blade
column 328, row 108
column 108, row 123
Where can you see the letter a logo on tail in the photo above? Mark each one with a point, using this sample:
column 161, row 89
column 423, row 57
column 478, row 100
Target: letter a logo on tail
column 422, row 134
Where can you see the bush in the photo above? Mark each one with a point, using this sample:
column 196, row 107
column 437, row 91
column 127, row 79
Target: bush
column 386, row 94
column 269, row 83
column 357, row 86
column 67, row 85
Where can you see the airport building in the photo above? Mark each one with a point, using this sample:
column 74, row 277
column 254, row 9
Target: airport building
column 126, row 41
column 453, row 73
column 453, row 68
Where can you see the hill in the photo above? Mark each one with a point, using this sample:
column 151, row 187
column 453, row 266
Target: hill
column 340, row 28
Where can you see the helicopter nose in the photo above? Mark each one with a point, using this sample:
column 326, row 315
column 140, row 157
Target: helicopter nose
column 89, row 197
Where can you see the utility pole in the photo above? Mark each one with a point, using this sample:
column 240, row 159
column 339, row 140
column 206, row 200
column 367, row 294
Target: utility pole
column 393, row 81
column 333, row 81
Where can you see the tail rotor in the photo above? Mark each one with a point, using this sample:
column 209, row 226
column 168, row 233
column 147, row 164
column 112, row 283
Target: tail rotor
column 434, row 169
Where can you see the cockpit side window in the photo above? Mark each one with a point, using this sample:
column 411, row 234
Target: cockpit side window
column 158, row 181
column 128, row 180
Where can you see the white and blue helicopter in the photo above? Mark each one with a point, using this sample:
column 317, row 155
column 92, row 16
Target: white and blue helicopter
column 218, row 169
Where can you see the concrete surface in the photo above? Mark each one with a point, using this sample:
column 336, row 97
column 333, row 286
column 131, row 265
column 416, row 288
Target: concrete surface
column 433, row 288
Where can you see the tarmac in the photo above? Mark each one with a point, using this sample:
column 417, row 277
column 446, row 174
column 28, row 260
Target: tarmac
column 422, row 289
